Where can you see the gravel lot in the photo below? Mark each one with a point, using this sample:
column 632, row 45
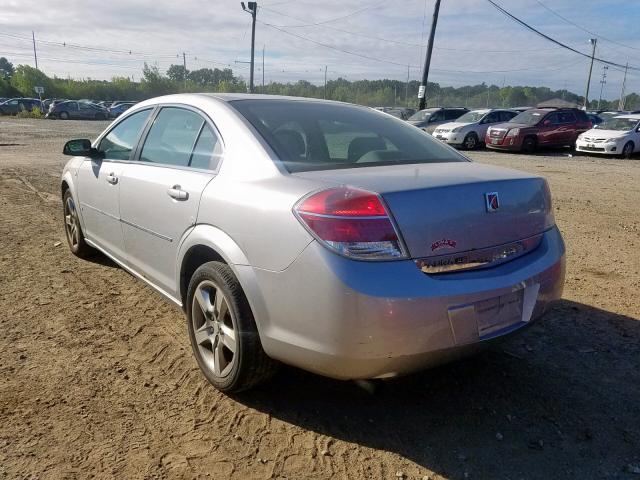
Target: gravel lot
column 98, row 379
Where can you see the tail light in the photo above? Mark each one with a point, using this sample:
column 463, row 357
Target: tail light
column 353, row 222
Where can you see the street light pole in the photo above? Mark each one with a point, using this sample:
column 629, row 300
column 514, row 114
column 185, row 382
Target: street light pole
column 422, row 92
column 252, row 8
column 593, row 42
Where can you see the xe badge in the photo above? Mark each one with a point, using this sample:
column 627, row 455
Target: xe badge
column 492, row 201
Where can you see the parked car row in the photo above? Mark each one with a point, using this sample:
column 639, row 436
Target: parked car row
column 525, row 129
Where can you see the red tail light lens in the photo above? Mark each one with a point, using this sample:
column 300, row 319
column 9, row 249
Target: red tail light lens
column 351, row 221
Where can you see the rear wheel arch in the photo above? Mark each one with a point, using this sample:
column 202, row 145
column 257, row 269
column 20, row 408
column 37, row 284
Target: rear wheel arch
column 194, row 257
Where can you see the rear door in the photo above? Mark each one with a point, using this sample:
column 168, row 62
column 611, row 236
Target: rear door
column 160, row 191
column 99, row 184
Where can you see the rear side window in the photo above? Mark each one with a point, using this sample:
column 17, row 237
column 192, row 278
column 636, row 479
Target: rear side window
column 172, row 137
column 119, row 142
column 208, row 150
column 506, row 116
column 567, row 117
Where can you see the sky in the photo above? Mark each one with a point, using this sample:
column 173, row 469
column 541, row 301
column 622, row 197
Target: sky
column 354, row 39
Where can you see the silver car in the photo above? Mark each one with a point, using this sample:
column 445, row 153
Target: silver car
column 324, row 235
column 469, row 130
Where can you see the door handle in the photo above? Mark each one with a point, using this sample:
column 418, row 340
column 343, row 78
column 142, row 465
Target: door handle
column 112, row 179
column 177, row 193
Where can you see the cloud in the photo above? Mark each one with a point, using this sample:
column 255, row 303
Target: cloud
column 474, row 42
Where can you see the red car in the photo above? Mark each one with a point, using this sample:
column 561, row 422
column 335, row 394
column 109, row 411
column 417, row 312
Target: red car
column 538, row 127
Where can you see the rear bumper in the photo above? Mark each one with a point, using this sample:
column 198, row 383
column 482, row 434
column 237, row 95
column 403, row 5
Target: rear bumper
column 348, row 319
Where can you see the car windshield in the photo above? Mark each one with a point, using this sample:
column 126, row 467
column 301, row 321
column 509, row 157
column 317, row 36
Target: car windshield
column 471, row 117
column 620, row 124
column 310, row 136
column 421, row 116
column 529, row 117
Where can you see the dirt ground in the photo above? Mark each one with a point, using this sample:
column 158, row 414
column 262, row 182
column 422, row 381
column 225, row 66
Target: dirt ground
column 98, row 380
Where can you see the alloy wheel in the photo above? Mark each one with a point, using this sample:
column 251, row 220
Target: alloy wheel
column 71, row 223
column 214, row 327
column 470, row 142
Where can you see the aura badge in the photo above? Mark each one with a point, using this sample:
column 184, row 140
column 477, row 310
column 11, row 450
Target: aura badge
column 492, row 201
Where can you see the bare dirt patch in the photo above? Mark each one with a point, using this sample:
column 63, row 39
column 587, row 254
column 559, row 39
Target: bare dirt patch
column 98, row 379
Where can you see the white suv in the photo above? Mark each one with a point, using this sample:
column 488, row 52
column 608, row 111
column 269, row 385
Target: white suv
column 469, row 130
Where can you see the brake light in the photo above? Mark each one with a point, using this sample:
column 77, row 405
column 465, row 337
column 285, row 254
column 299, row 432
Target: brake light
column 352, row 222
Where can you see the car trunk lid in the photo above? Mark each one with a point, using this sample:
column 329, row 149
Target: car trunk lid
column 442, row 208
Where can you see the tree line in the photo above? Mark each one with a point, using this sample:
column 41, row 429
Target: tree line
column 21, row 80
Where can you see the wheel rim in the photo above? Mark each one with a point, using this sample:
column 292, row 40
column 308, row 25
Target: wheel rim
column 71, row 222
column 471, row 142
column 214, row 327
column 64, row 115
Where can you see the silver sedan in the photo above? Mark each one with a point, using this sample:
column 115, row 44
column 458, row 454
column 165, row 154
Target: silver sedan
column 324, row 235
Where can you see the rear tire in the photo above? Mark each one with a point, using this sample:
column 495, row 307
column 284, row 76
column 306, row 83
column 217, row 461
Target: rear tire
column 72, row 228
column 223, row 333
column 627, row 150
column 529, row 145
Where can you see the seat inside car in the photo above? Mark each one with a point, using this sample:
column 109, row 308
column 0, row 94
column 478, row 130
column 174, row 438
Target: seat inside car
column 360, row 146
column 293, row 143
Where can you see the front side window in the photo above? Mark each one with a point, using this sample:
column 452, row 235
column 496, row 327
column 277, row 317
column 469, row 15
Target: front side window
column 172, row 137
column 121, row 140
column 331, row 136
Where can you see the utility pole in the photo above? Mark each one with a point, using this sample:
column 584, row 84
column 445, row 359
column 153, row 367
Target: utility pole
column 263, row 69
column 252, row 8
column 624, row 84
column 35, row 55
column 184, row 65
column 592, row 41
column 325, row 82
column 427, row 61
column 602, row 82
column 406, row 89
column 395, row 95
column 488, row 88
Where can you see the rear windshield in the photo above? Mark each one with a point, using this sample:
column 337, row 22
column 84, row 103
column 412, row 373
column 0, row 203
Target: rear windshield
column 529, row 117
column 310, row 136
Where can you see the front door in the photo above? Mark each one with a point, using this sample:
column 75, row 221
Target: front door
column 160, row 192
column 99, row 184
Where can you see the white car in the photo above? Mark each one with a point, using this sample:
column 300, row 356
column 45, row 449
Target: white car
column 619, row 135
column 469, row 130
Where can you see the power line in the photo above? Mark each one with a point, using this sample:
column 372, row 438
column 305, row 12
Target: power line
column 409, row 44
column 351, row 14
column 584, row 29
column 547, row 37
column 391, row 62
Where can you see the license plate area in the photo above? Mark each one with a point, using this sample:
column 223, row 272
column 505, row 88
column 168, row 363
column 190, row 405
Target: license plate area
column 493, row 316
column 498, row 313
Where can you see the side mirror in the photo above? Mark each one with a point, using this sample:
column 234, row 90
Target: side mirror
column 80, row 148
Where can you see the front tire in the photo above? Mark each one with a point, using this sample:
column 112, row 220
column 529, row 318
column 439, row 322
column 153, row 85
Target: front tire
column 63, row 116
column 529, row 145
column 627, row 150
column 223, row 332
column 471, row 141
column 72, row 228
